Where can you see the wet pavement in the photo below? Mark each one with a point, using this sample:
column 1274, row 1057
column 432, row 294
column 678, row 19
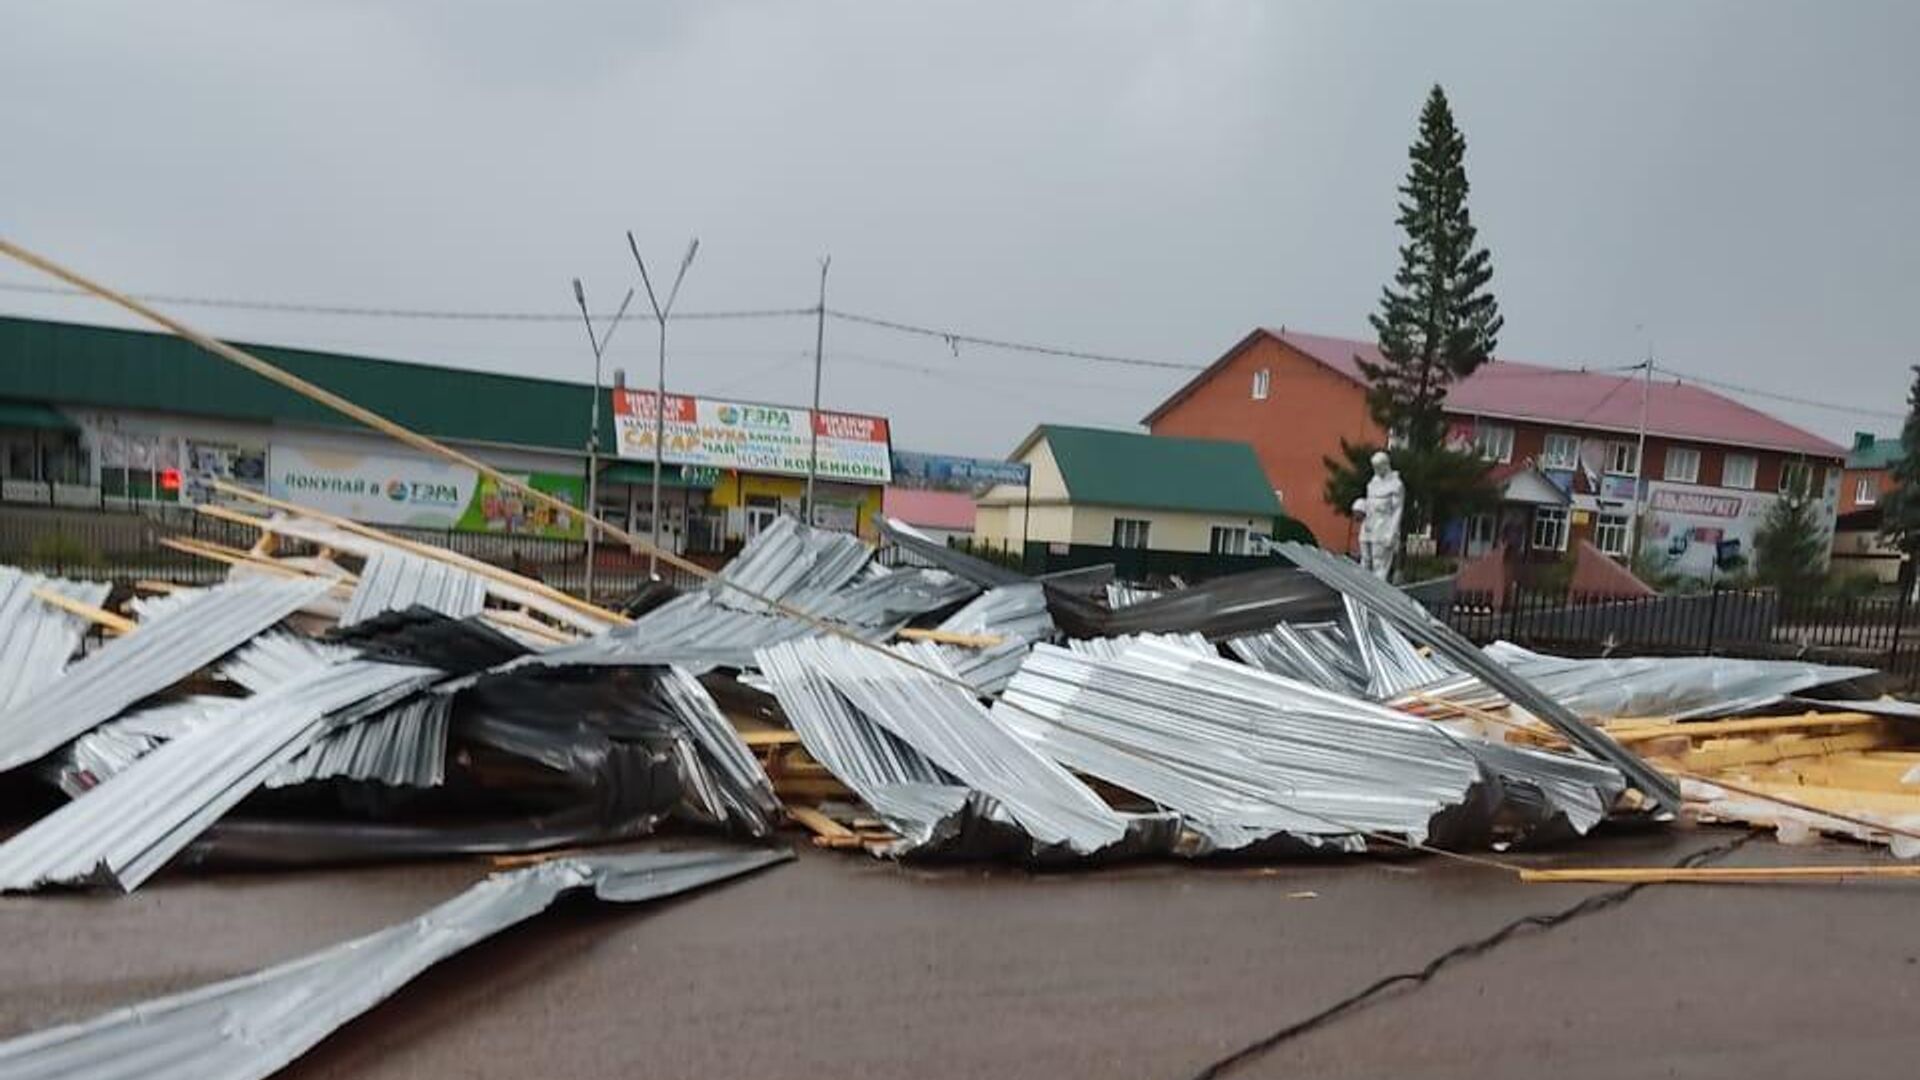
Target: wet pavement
column 838, row 965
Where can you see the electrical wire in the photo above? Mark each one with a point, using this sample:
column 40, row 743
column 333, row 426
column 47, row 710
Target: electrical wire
column 1769, row 395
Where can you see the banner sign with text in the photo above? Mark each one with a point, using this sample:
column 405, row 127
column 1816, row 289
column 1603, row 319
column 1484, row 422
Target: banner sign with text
column 383, row 489
column 753, row 438
column 942, row 472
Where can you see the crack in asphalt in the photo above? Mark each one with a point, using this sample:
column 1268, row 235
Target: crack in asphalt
column 1464, row 951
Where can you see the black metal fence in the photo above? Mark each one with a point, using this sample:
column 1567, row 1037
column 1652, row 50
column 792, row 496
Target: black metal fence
column 1876, row 631
column 129, row 546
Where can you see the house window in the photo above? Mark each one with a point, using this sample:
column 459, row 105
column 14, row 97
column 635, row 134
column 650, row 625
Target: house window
column 1561, row 451
column 1495, row 441
column 1683, row 464
column 1550, row 528
column 1228, row 540
column 1623, row 459
column 1610, row 533
column 1262, row 380
column 1865, row 491
column 1129, row 533
column 1796, row 478
column 1738, row 471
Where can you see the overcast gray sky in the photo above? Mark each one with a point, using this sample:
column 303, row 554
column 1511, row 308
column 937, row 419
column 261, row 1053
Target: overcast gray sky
column 1731, row 183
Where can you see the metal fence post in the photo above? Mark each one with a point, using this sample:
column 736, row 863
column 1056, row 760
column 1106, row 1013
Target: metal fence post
column 1713, row 614
column 1899, row 621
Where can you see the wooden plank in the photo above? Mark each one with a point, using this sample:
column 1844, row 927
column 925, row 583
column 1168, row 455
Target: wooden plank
column 206, row 549
column 113, row 624
column 1709, row 729
column 1658, row 875
column 434, row 553
column 531, row 625
column 953, row 637
column 820, row 824
column 1708, row 759
column 149, row 585
column 770, row 737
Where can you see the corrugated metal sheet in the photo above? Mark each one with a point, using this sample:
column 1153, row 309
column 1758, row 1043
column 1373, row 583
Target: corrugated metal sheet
column 393, row 580
column 124, row 830
column 1413, row 620
column 1681, row 687
column 150, row 659
column 108, row 749
column 1245, row 756
column 37, row 639
column 949, row 727
column 1015, row 613
column 404, row 746
column 254, row 1025
column 276, row 658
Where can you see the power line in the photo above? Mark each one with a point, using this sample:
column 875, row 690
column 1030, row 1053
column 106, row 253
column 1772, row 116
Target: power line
column 1769, row 395
column 365, row 312
column 955, row 338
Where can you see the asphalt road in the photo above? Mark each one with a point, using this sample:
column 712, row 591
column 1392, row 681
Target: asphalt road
column 840, row 966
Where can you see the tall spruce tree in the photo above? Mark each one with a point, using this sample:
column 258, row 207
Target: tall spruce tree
column 1900, row 510
column 1790, row 547
column 1438, row 321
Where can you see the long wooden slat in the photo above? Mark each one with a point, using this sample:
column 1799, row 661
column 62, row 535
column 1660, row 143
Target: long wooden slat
column 1664, row 875
column 115, row 624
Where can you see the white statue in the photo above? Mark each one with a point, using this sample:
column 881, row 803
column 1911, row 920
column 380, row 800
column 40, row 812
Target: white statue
column 1380, row 517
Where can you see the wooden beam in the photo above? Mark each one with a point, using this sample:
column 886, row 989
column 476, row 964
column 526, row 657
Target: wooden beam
column 149, row 585
column 429, row 551
column 953, row 637
column 770, row 737
column 520, row 621
column 206, row 549
column 820, row 824
column 1708, row 759
column 113, row 624
column 1710, row 729
column 1700, row 875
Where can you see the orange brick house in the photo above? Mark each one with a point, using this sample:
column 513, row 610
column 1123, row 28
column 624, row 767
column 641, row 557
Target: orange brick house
column 1566, row 442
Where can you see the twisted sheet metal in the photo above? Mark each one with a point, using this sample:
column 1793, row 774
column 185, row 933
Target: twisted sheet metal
column 150, row 659
column 393, row 580
column 279, row 657
column 949, row 727
column 1680, row 687
column 917, row 799
column 403, row 746
column 124, row 830
column 252, row 1026
column 353, row 543
column 36, row 638
column 1120, row 594
column 1015, row 613
column 1417, row 623
column 110, row 748
column 1320, row 654
column 1244, row 755
column 790, row 562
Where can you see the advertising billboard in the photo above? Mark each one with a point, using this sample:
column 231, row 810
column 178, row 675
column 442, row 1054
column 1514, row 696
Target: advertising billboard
column 384, row 489
column 753, row 438
column 942, row 472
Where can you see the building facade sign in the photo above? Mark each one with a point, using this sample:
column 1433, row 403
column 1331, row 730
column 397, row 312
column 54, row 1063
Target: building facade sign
column 941, row 472
column 384, row 489
column 1702, row 532
column 703, row 432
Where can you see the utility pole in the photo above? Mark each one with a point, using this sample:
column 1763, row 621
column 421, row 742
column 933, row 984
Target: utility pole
column 813, row 434
column 660, row 314
column 1640, row 479
column 599, row 346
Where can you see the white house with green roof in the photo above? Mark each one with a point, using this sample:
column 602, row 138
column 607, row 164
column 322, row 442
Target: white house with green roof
column 1099, row 488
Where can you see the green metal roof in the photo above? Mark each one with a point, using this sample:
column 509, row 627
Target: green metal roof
column 1158, row 472
column 72, row 364
column 1874, row 453
column 32, row 414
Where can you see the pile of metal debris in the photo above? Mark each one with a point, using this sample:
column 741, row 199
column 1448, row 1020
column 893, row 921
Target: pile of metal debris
column 351, row 695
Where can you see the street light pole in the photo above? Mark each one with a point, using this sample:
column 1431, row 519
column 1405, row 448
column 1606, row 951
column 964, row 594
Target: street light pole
column 813, row 433
column 660, row 314
column 599, row 346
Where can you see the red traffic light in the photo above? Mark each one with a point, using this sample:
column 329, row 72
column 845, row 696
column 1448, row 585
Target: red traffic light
column 169, row 479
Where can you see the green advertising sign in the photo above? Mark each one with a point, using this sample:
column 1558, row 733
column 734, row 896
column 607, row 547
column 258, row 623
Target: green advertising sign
column 496, row 511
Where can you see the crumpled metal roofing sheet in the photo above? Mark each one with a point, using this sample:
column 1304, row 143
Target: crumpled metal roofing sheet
column 947, row 724
column 403, row 746
column 146, row 661
column 118, row 743
column 254, row 1025
column 319, row 532
column 1245, row 755
column 278, row 657
column 789, row 561
column 1419, row 624
column 1015, row 613
column 122, row 831
column 36, row 638
column 393, row 580
column 1681, row 687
